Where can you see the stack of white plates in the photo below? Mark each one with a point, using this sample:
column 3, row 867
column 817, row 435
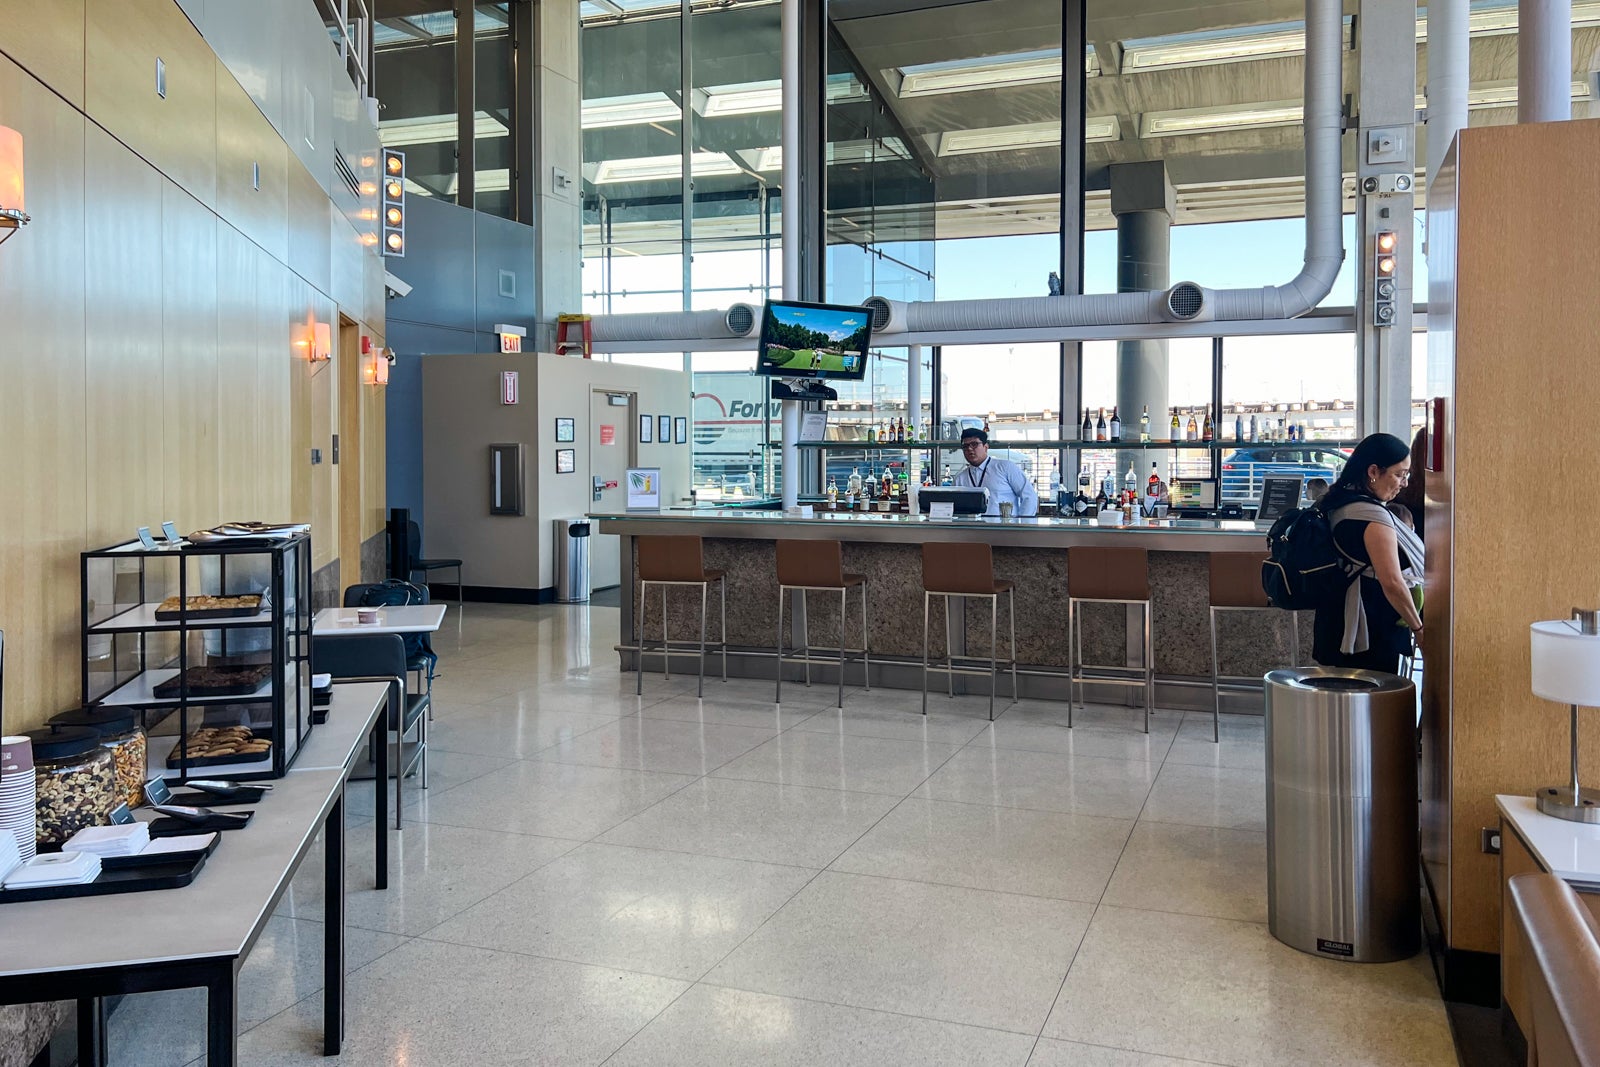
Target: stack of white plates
column 17, row 796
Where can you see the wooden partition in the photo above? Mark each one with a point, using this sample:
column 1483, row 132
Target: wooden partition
column 148, row 364
column 1514, row 333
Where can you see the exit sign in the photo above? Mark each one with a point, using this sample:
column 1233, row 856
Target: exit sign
column 510, row 342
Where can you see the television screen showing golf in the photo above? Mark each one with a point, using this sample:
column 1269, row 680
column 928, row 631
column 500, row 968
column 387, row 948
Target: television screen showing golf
column 814, row 340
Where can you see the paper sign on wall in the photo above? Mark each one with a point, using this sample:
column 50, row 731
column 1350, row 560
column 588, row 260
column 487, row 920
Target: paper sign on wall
column 508, row 387
column 608, row 434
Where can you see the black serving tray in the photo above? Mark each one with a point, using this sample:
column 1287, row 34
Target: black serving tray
column 171, row 826
column 175, row 760
column 202, row 799
column 157, row 872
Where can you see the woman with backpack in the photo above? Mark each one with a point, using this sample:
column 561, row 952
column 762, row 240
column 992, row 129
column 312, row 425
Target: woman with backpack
column 1377, row 619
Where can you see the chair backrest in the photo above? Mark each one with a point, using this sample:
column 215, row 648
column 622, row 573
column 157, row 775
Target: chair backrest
column 413, row 540
column 1236, row 580
column 672, row 558
column 958, row 567
column 359, row 656
column 1108, row 573
column 1562, row 972
column 390, row 593
column 819, row 564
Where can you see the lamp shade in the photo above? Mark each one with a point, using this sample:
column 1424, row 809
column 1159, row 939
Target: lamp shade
column 10, row 169
column 1566, row 663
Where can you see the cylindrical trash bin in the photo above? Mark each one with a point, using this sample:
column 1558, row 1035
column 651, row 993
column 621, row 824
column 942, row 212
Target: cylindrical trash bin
column 572, row 561
column 1342, row 850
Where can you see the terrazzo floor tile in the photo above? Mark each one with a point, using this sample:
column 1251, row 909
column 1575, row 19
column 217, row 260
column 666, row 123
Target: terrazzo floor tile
column 1226, row 992
column 749, row 711
column 1047, row 781
column 511, row 732
column 1243, row 755
column 895, row 716
column 1196, row 870
column 431, row 1004
column 833, row 761
column 937, row 952
column 551, row 799
column 1052, row 1053
column 1230, row 797
column 711, row 1027
column 1040, row 853
column 666, row 913
column 658, row 745
column 757, row 821
column 1110, row 742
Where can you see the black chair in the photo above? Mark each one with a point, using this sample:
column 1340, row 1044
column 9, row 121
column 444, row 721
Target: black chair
column 382, row 657
column 421, row 659
column 417, row 563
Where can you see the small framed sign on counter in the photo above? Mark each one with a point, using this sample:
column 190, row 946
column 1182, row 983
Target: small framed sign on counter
column 1280, row 494
column 644, row 488
column 814, row 426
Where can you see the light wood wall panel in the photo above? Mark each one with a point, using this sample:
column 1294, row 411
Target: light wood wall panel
column 309, row 244
column 42, row 380
column 240, row 401
column 47, row 40
column 245, row 140
column 176, row 134
column 1525, row 328
column 192, row 419
column 280, row 368
column 125, row 394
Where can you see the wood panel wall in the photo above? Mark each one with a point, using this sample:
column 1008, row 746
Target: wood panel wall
column 147, row 364
column 1514, row 260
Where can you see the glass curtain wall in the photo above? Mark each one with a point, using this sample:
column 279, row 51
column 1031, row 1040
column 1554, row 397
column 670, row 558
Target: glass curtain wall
column 492, row 100
column 414, row 68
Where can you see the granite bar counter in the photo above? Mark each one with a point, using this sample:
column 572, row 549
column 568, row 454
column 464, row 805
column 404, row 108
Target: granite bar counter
column 886, row 548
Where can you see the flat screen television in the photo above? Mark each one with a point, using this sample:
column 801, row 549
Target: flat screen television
column 819, row 341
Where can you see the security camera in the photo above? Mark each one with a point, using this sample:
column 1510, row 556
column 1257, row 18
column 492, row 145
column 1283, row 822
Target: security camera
column 395, row 286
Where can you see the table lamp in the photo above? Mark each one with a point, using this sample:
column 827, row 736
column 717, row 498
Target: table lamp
column 1566, row 669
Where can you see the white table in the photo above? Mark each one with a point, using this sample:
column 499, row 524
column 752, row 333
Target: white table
column 356, row 716
column 397, row 619
column 1568, row 850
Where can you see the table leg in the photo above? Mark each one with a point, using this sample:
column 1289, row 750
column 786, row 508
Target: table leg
column 92, row 1032
column 380, row 756
column 222, row 1017
column 333, row 930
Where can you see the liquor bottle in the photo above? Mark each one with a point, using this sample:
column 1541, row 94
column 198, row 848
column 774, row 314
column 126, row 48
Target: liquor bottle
column 1153, row 486
column 911, row 432
column 1101, row 500
column 833, row 493
column 869, row 486
column 1100, row 426
column 1254, row 429
column 1055, row 481
column 1130, row 484
column 1283, row 432
column 1210, row 430
column 1238, row 427
column 900, row 431
column 884, row 484
column 986, row 424
column 854, row 484
column 872, row 434
column 1108, row 484
column 1175, row 432
column 1086, row 433
column 1116, row 425
column 1193, row 433
column 894, row 488
column 1144, row 426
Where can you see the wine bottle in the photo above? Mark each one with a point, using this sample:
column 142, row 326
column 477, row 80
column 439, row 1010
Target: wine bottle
column 1116, row 425
column 872, row 434
column 1210, row 431
column 1193, row 433
column 1255, row 428
column 1238, row 427
column 1086, row 432
column 1100, row 426
column 1175, row 432
column 1144, row 426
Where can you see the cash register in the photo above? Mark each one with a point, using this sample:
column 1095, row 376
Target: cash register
column 967, row 500
column 1194, row 498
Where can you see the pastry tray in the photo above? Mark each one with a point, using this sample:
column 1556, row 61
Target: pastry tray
column 124, row 874
column 249, row 680
column 195, row 614
column 175, row 760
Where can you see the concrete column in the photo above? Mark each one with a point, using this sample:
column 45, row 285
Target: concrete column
column 1544, row 60
column 558, row 150
column 1448, row 74
column 1143, row 201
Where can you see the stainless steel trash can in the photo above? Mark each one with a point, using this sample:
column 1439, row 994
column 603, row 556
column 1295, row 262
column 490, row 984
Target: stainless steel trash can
column 1342, row 850
column 572, row 561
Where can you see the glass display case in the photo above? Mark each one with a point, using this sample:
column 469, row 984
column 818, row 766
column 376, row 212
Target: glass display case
column 210, row 644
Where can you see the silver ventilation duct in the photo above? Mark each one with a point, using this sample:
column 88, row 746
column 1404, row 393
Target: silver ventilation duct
column 738, row 321
column 1186, row 301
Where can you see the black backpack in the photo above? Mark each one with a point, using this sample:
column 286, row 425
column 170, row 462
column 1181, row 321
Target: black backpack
column 1304, row 569
column 393, row 593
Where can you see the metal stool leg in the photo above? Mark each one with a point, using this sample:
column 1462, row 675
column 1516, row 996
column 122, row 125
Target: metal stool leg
column 866, row 663
column 1294, row 639
column 949, row 646
column 926, row 600
column 994, row 642
column 722, row 589
column 639, row 689
column 704, row 611
column 666, row 646
column 805, row 645
column 1011, row 603
column 777, row 697
column 842, row 594
column 1216, row 685
column 1149, row 668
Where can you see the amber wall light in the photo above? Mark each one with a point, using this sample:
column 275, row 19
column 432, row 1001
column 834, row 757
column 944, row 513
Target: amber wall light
column 12, row 215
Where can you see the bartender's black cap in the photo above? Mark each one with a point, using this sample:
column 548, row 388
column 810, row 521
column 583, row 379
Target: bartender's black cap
column 973, row 431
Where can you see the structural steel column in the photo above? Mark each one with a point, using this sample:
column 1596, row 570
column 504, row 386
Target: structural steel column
column 557, row 159
column 1544, row 60
column 1448, row 76
column 1143, row 201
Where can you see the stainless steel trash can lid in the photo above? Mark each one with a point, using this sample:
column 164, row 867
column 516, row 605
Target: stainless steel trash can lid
column 1338, row 680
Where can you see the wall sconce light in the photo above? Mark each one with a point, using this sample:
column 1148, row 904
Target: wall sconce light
column 393, row 203
column 12, row 215
column 377, row 368
column 314, row 340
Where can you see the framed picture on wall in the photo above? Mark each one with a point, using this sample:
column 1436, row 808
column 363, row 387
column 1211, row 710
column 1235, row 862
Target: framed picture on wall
column 680, row 430
column 566, row 460
column 647, row 423
column 664, row 429
column 566, row 430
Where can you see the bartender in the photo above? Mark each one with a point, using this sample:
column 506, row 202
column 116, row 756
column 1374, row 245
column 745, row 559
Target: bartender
column 1005, row 480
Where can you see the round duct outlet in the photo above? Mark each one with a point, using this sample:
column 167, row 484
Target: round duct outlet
column 880, row 312
column 1185, row 301
column 741, row 320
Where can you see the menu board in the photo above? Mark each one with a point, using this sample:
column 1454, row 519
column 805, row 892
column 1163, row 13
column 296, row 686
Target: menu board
column 1280, row 494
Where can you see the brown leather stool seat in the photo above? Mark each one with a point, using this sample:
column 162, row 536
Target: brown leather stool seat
column 1236, row 586
column 1107, row 576
column 818, row 566
column 677, row 559
column 966, row 570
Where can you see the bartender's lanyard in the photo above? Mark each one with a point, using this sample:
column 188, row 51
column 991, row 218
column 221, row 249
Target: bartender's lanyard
column 977, row 479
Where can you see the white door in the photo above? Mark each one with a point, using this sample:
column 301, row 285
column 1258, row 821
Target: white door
column 610, row 455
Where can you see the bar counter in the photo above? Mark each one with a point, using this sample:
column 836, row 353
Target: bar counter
column 886, row 548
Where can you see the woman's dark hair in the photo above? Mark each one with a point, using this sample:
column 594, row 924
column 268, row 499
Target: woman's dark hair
column 1414, row 493
column 1382, row 450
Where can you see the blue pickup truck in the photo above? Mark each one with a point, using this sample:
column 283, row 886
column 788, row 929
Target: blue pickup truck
column 1244, row 468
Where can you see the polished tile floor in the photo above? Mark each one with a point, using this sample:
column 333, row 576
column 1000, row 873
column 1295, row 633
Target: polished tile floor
column 598, row 878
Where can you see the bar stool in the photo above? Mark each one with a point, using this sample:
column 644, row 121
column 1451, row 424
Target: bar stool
column 965, row 570
column 1236, row 586
column 805, row 566
column 1107, row 576
column 678, row 560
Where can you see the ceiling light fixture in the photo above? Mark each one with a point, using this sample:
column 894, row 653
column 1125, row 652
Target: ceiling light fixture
column 436, row 129
column 1041, row 67
column 1225, row 119
column 1489, row 20
column 1096, row 128
column 635, row 110
column 749, row 98
column 1241, row 44
column 664, row 168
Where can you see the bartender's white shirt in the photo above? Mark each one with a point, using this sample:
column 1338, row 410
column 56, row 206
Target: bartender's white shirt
column 1005, row 482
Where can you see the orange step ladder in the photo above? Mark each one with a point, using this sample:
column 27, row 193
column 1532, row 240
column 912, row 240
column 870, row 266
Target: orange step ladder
column 563, row 346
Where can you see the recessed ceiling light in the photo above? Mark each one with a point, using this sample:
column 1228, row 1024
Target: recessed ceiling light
column 749, row 98
column 1022, row 135
column 987, row 72
column 434, row 129
column 1489, row 20
column 635, row 110
column 663, row 168
column 1225, row 119
column 1236, row 45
